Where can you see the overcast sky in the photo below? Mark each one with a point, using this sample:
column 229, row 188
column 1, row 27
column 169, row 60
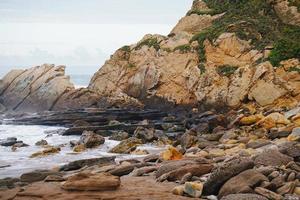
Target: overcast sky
column 78, row 32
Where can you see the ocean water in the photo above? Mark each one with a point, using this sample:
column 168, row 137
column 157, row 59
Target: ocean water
column 20, row 162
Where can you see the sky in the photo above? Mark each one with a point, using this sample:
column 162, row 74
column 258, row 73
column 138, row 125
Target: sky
column 80, row 34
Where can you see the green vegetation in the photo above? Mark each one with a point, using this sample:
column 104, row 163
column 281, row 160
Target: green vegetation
column 226, row 70
column 130, row 65
column 151, row 42
column 183, row 48
column 287, row 47
column 254, row 21
column 201, row 66
column 203, row 12
column 126, row 48
column 294, row 69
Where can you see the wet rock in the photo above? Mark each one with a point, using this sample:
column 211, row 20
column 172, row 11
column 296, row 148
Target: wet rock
column 19, row 145
column 92, row 182
column 8, row 183
column 10, row 141
column 103, row 161
column 91, row 139
column 119, row 136
column 79, row 148
column 268, row 194
column 242, row 183
column 145, row 134
column 37, row 175
column 41, row 143
column 126, row 146
column 187, row 140
column 140, row 152
column 80, row 123
column 74, row 143
column 224, row 173
column 244, row 197
column 171, row 154
column 193, row 189
column 295, row 135
column 46, row 152
column 272, row 158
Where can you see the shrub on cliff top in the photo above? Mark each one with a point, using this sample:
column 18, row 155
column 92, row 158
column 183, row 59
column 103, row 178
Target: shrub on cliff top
column 254, row 21
column 183, row 48
column 150, row 42
column 226, row 70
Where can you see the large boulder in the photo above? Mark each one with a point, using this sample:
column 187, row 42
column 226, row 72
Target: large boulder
column 242, row 183
column 91, row 139
column 34, row 89
column 224, row 172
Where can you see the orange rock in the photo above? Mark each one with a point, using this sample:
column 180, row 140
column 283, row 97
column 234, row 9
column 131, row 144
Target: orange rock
column 171, row 154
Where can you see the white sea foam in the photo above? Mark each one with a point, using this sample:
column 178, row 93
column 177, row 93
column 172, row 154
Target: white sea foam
column 20, row 162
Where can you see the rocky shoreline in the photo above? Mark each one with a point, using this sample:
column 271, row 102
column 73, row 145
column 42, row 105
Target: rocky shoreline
column 234, row 155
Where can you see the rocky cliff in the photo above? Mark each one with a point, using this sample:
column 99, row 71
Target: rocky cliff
column 220, row 53
column 42, row 88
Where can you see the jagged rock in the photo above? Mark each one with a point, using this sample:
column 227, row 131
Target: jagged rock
column 145, row 134
column 194, row 23
column 91, row 139
column 171, row 154
column 91, row 182
column 126, row 146
column 242, row 183
column 77, row 99
column 46, row 152
column 34, row 89
column 41, row 143
column 224, row 173
column 119, row 136
column 10, row 141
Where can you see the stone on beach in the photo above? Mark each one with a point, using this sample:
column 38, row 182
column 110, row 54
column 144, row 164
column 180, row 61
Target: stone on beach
column 92, row 182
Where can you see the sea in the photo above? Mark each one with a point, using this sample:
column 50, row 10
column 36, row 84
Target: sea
column 15, row 163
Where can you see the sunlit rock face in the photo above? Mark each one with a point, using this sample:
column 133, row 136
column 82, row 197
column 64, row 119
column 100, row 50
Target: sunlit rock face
column 224, row 70
column 41, row 88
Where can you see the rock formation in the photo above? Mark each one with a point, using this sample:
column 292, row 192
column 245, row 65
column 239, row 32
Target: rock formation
column 188, row 68
column 219, row 54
